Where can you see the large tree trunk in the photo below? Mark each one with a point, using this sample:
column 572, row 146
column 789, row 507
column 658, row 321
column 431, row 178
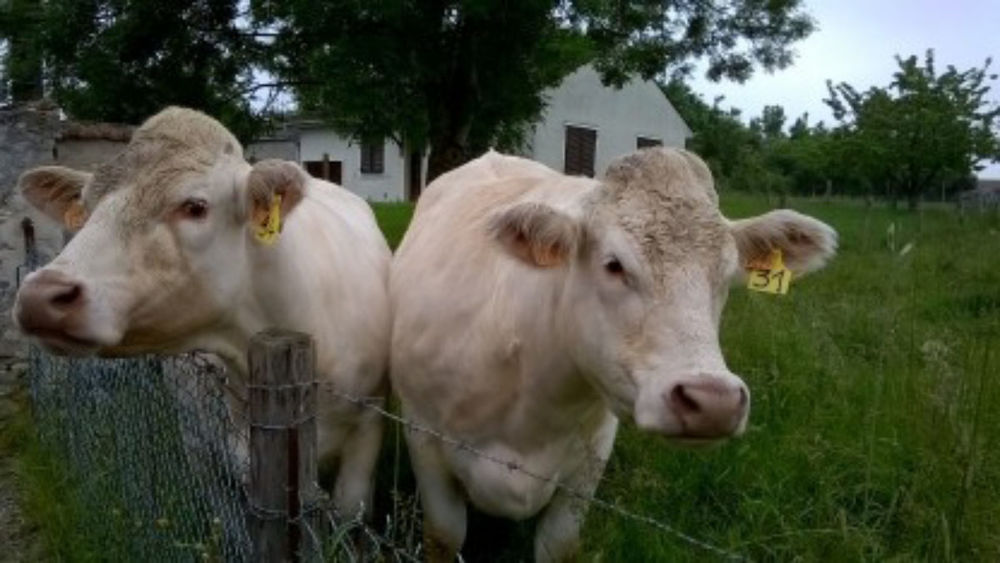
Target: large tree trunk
column 445, row 156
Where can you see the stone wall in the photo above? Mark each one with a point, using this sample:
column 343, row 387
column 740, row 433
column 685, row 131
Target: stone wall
column 27, row 135
column 33, row 135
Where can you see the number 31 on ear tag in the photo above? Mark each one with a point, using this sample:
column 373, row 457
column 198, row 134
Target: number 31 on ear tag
column 770, row 276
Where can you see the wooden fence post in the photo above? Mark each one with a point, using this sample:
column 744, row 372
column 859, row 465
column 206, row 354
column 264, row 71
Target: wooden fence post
column 282, row 444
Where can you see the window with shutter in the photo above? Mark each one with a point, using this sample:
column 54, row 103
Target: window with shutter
column 581, row 145
column 328, row 170
column 644, row 142
column 373, row 158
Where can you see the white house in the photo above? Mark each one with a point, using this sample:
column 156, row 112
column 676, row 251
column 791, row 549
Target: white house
column 584, row 127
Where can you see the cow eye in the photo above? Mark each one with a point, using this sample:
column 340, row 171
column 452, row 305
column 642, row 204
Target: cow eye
column 194, row 208
column 614, row 267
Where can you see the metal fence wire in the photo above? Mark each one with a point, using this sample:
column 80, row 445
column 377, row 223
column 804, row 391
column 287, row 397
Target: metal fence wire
column 146, row 444
column 149, row 452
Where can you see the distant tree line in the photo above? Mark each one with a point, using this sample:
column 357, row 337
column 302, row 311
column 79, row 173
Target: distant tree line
column 921, row 136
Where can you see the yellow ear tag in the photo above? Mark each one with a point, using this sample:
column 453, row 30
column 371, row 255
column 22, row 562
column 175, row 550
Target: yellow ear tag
column 268, row 228
column 769, row 276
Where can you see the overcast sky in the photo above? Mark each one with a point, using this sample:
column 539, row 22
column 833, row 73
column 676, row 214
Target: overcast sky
column 855, row 42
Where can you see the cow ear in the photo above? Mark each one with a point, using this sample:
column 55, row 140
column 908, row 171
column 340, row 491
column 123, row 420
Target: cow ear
column 269, row 178
column 536, row 233
column 805, row 243
column 56, row 191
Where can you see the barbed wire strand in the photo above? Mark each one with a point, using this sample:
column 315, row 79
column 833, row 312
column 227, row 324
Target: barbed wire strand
column 374, row 404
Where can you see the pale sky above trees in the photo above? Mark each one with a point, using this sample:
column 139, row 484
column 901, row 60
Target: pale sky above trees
column 855, row 42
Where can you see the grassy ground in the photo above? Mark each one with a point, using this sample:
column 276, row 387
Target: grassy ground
column 874, row 429
column 876, row 408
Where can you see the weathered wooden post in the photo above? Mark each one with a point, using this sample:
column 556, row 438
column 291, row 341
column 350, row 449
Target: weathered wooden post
column 282, row 444
column 30, row 247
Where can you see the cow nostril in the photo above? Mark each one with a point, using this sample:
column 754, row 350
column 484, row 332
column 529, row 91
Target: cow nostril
column 743, row 397
column 68, row 297
column 683, row 399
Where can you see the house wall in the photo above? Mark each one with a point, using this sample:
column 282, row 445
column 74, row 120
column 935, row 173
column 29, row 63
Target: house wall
column 639, row 109
column 282, row 149
column 388, row 186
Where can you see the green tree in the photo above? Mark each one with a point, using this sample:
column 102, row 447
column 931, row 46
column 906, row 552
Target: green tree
column 123, row 60
column 923, row 131
column 22, row 60
column 462, row 75
column 720, row 137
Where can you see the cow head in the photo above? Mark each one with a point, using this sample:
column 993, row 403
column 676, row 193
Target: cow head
column 163, row 239
column 649, row 260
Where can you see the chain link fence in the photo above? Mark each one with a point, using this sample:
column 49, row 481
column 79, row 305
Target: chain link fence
column 148, row 448
column 146, row 444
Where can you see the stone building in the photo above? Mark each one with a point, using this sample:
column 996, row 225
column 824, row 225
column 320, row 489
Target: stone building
column 33, row 135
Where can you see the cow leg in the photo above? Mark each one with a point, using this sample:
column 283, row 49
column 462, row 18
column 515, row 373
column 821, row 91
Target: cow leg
column 352, row 493
column 557, row 535
column 440, row 497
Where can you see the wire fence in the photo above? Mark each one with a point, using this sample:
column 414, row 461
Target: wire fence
column 150, row 452
column 147, row 448
column 149, row 445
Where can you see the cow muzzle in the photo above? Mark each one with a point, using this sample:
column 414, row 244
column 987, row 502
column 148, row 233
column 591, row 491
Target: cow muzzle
column 708, row 407
column 697, row 409
column 49, row 307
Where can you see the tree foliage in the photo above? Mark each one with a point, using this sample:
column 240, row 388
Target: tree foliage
column 461, row 75
column 22, row 61
column 123, row 60
column 923, row 130
column 927, row 132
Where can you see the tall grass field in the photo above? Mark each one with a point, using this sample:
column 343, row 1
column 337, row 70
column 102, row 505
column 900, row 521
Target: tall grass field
column 875, row 423
column 874, row 430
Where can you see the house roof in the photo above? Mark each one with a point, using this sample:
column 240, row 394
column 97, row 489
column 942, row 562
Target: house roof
column 89, row 130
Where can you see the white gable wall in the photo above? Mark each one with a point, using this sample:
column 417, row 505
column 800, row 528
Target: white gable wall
column 387, row 186
column 639, row 109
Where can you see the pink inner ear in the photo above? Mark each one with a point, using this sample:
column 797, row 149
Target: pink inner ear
column 75, row 216
column 548, row 256
column 537, row 253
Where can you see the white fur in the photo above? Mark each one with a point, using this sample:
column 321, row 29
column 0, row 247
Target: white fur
column 526, row 360
column 156, row 282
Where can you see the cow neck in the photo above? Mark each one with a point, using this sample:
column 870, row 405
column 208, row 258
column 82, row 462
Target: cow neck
column 290, row 289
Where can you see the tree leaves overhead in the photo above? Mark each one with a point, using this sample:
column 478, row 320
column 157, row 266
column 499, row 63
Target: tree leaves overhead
column 456, row 75
column 732, row 36
column 123, row 60
column 462, row 75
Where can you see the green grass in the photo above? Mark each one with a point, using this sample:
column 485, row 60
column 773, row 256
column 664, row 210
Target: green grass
column 45, row 495
column 393, row 218
column 873, row 435
column 876, row 408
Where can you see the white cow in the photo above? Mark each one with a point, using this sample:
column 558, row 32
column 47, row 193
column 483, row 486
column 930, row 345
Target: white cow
column 167, row 260
column 532, row 310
